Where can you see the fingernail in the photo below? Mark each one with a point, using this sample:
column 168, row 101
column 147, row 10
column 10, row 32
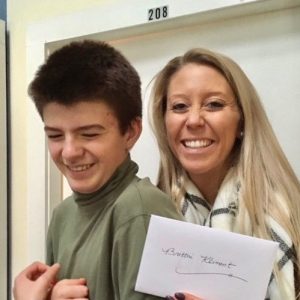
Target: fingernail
column 179, row 296
column 169, row 298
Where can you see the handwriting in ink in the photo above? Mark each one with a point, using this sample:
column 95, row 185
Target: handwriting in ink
column 213, row 261
column 210, row 273
column 174, row 252
column 209, row 260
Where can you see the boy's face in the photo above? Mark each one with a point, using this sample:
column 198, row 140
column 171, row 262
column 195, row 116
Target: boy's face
column 85, row 142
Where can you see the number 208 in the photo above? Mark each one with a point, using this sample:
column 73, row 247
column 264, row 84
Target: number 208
column 158, row 13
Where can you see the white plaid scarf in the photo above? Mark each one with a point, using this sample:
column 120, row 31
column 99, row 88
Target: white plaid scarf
column 222, row 215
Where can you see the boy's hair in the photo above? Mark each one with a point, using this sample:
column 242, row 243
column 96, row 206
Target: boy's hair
column 89, row 71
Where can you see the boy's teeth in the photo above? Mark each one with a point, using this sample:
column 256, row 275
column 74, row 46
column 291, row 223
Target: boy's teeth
column 80, row 168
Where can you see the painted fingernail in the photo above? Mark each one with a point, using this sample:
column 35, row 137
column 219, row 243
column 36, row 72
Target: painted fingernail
column 179, row 296
column 169, row 298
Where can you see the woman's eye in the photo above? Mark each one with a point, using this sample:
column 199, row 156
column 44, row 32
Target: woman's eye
column 179, row 107
column 215, row 105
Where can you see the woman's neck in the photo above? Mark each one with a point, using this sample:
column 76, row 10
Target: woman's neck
column 209, row 184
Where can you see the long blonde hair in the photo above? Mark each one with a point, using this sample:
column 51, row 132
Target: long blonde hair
column 269, row 184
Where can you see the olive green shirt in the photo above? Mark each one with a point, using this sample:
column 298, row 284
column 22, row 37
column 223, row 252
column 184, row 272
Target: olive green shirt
column 100, row 236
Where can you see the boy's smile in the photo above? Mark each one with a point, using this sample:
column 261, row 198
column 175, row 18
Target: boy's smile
column 85, row 143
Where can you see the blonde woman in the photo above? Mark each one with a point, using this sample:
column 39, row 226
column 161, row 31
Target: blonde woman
column 221, row 162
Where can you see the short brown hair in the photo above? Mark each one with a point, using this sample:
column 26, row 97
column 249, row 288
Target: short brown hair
column 89, row 71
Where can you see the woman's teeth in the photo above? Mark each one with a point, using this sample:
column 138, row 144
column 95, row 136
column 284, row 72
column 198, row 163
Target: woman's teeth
column 198, row 143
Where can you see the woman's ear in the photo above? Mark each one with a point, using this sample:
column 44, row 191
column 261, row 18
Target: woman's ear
column 240, row 129
column 133, row 132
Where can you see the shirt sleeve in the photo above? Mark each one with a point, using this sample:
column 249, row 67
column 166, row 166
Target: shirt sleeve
column 126, row 256
column 49, row 244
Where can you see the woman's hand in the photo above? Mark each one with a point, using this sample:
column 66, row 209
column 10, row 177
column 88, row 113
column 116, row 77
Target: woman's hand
column 35, row 282
column 183, row 296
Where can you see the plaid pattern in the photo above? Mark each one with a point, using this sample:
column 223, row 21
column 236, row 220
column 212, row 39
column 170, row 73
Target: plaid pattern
column 288, row 252
column 223, row 214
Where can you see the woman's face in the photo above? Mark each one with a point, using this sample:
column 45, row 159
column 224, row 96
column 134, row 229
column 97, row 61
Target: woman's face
column 202, row 121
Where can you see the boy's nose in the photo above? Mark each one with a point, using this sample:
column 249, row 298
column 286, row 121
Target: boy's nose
column 71, row 149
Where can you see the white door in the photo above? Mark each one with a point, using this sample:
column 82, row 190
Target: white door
column 262, row 36
column 265, row 45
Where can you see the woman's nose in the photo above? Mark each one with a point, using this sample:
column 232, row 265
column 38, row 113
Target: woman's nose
column 195, row 117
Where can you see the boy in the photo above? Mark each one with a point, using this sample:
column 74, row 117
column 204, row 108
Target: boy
column 89, row 98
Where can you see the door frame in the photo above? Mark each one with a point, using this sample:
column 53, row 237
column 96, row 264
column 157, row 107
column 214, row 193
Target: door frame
column 3, row 171
column 43, row 180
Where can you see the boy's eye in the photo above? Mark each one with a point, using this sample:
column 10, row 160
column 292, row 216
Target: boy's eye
column 54, row 136
column 90, row 135
column 179, row 107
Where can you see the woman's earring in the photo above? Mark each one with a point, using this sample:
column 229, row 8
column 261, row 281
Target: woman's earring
column 241, row 134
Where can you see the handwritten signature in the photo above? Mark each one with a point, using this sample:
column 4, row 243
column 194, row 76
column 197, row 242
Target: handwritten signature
column 211, row 273
column 174, row 252
column 204, row 259
column 213, row 261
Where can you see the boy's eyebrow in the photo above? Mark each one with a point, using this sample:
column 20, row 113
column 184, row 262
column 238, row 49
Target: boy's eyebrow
column 87, row 127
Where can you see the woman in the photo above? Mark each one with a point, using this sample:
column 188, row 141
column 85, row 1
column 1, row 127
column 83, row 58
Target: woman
column 220, row 159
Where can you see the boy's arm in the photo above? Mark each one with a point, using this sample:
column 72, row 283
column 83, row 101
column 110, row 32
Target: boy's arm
column 49, row 249
column 66, row 288
column 127, row 252
column 49, row 244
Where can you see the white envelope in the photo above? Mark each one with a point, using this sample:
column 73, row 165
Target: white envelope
column 210, row 263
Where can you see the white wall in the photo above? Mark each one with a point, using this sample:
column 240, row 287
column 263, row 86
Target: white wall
column 263, row 44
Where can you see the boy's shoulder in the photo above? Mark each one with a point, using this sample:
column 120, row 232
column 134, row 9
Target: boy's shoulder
column 141, row 197
column 142, row 190
column 65, row 206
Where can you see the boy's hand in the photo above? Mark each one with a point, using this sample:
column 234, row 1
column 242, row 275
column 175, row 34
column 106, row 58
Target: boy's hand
column 75, row 289
column 35, row 281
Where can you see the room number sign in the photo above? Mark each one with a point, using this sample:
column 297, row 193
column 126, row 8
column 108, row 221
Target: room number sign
column 158, row 13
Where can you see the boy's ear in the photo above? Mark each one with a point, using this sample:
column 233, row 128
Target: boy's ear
column 134, row 132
